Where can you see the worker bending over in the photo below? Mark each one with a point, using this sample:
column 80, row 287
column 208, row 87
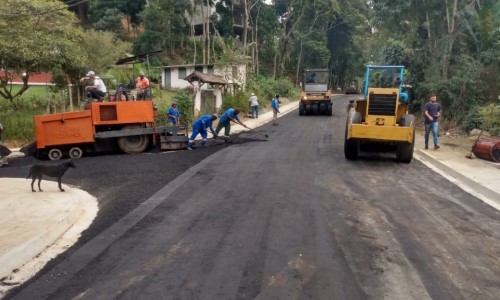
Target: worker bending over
column 225, row 121
column 200, row 126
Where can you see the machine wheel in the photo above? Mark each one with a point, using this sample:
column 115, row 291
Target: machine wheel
column 75, row 152
column 315, row 108
column 329, row 110
column 301, row 110
column 55, row 154
column 351, row 148
column 404, row 153
column 134, row 143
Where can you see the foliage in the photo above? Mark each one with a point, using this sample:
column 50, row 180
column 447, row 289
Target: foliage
column 185, row 106
column 17, row 116
column 108, row 14
column 103, row 49
column 238, row 101
column 109, row 20
column 490, row 116
column 53, row 41
column 165, row 25
column 267, row 87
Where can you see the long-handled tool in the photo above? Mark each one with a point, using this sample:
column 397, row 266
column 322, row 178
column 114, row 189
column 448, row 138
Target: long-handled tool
column 256, row 131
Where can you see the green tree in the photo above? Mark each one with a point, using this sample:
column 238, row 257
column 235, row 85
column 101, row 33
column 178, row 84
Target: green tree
column 165, row 26
column 37, row 35
column 108, row 14
column 103, row 50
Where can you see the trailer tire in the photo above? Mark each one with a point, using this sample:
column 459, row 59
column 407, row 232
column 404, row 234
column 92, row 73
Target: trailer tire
column 133, row 144
column 55, row 154
column 75, row 152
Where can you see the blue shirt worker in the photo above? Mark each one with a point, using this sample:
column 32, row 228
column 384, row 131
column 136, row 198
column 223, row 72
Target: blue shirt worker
column 225, row 121
column 173, row 115
column 275, row 104
column 200, row 126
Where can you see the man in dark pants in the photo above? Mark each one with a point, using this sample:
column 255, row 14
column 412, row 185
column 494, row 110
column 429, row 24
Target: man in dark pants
column 97, row 89
column 225, row 121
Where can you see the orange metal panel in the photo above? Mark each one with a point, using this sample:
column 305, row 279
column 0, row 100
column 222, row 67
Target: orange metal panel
column 64, row 129
column 122, row 112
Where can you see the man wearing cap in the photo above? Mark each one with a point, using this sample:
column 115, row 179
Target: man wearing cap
column 141, row 87
column 254, row 104
column 97, row 89
column 200, row 126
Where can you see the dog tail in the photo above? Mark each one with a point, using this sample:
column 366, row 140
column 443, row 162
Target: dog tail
column 29, row 175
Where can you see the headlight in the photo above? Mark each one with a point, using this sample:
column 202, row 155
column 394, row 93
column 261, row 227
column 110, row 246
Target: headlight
column 305, row 98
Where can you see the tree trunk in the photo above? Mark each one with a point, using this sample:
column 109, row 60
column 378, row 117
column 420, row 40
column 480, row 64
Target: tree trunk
column 208, row 33
column 299, row 61
column 204, row 38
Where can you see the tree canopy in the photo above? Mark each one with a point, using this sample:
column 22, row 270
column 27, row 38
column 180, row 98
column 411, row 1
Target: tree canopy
column 449, row 47
column 37, row 35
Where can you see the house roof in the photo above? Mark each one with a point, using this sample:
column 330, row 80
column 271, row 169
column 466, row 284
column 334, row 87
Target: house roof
column 34, row 78
column 206, row 78
column 138, row 58
column 183, row 66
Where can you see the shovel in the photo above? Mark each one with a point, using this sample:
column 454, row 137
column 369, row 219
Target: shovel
column 256, row 131
column 470, row 154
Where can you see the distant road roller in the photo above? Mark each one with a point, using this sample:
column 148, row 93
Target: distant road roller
column 316, row 94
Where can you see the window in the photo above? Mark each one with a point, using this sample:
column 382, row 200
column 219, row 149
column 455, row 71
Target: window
column 182, row 73
column 199, row 69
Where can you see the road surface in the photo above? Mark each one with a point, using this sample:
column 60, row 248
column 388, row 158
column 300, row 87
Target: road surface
column 287, row 218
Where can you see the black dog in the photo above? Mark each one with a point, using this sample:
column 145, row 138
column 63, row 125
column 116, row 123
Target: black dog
column 38, row 170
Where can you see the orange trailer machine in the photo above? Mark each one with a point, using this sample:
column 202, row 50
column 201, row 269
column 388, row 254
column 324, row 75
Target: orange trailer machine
column 104, row 126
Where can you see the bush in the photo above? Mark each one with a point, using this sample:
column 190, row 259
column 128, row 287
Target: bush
column 490, row 116
column 238, row 101
column 185, row 106
column 17, row 116
column 266, row 88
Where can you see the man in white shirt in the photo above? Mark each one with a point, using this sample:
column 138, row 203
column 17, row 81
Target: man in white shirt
column 97, row 90
column 254, row 104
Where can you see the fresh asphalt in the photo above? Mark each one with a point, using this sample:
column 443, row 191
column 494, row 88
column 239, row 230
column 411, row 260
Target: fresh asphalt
column 287, row 218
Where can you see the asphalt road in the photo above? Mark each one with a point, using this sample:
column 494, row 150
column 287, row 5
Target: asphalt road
column 287, row 218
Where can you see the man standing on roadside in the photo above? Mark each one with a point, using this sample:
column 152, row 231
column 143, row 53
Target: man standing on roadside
column 225, row 121
column 275, row 104
column 432, row 111
column 254, row 104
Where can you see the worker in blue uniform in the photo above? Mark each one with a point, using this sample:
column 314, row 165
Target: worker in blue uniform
column 200, row 126
column 225, row 121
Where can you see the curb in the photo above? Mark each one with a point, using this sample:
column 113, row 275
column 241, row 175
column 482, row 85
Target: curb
column 492, row 196
column 29, row 249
